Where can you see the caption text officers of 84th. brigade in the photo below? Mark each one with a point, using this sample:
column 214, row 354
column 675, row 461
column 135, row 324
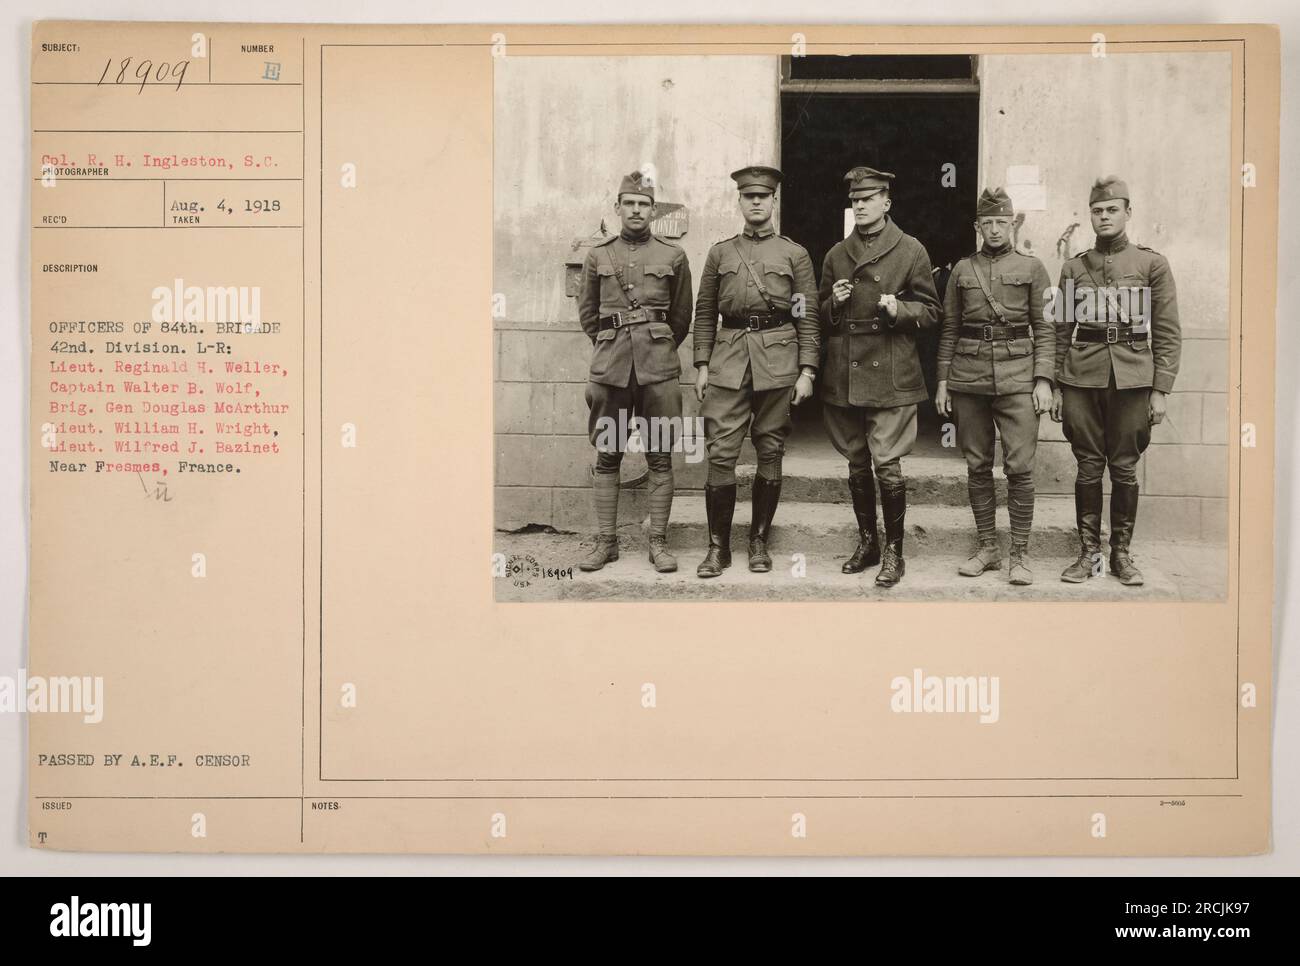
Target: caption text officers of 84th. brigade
column 755, row 364
column 635, row 306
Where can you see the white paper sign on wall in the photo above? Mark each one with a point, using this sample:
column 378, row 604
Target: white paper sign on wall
column 1025, row 187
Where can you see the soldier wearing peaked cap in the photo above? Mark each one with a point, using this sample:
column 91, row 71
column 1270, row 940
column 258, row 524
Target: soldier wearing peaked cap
column 635, row 306
column 756, row 354
column 1118, row 344
column 997, row 357
column 877, row 293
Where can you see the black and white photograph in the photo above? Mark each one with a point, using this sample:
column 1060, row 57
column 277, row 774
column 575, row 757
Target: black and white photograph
column 815, row 327
column 394, row 394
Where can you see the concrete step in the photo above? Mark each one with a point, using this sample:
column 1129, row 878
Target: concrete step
column 929, row 576
column 830, row 528
column 823, row 478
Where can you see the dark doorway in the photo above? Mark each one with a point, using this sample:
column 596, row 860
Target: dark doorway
column 910, row 116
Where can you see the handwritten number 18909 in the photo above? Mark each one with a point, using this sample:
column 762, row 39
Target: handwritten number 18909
column 144, row 72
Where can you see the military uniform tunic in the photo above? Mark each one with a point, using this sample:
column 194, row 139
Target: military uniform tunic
column 871, row 380
column 1105, row 385
column 751, row 370
column 635, row 369
column 991, row 377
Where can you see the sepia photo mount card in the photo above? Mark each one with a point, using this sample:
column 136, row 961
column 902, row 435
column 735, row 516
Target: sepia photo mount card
column 715, row 440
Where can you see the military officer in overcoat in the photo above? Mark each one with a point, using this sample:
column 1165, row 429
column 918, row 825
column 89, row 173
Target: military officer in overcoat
column 1118, row 345
column 877, row 293
column 635, row 306
column 756, row 354
column 997, row 359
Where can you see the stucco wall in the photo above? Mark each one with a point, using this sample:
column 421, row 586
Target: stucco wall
column 567, row 130
column 1161, row 122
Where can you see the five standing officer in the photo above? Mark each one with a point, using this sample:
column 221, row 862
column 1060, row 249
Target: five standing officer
column 877, row 293
column 1114, row 374
column 635, row 306
column 1114, row 351
column 997, row 356
column 756, row 353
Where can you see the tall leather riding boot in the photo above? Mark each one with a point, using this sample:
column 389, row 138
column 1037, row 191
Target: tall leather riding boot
column 767, row 493
column 1087, row 514
column 893, row 500
column 719, row 505
column 1123, row 514
column 862, row 487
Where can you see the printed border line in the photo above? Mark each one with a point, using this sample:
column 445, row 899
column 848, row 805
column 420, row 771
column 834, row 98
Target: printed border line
column 1242, row 47
column 566, row 798
column 302, row 280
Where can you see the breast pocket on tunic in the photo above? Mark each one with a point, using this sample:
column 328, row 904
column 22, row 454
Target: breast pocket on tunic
column 611, row 293
column 973, row 304
column 778, row 279
column 728, row 283
column 1082, row 308
column 1015, row 293
column 1134, row 297
column 656, row 285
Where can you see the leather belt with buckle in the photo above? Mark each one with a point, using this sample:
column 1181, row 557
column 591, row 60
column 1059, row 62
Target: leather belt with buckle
column 1111, row 334
column 633, row 317
column 754, row 323
column 990, row 333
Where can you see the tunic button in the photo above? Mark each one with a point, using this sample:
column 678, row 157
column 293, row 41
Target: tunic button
column 855, row 364
column 877, row 278
column 875, row 365
column 750, row 283
column 853, row 325
column 875, row 325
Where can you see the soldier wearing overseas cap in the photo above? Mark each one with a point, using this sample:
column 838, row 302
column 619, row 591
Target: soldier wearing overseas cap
column 754, row 363
column 997, row 357
column 1118, row 344
column 635, row 306
column 877, row 292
